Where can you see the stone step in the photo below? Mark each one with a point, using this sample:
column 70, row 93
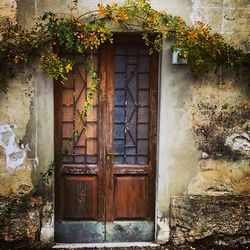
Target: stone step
column 116, row 245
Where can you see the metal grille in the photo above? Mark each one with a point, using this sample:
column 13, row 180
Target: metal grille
column 131, row 104
column 83, row 148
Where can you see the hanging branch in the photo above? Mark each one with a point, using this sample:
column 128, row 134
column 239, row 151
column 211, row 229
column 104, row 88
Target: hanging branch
column 205, row 50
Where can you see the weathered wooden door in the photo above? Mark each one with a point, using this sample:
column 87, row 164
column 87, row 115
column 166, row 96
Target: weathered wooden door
column 105, row 180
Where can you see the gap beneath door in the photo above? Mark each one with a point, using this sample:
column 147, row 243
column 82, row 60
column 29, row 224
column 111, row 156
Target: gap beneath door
column 106, row 245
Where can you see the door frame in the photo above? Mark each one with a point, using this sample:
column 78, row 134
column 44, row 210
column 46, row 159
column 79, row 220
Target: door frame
column 104, row 78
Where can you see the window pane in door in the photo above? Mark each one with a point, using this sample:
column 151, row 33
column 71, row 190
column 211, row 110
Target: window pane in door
column 131, row 105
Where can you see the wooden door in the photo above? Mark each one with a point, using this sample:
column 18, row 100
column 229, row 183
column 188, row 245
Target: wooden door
column 105, row 182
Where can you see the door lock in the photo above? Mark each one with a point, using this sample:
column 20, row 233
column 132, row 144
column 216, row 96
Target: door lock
column 109, row 158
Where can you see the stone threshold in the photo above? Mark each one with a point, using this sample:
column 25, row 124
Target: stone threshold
column 106, row 245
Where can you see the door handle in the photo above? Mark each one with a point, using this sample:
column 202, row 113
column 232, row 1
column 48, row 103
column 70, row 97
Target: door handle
column 111, row 153
column 109, row 158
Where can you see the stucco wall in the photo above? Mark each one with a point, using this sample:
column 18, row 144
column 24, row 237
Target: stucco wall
column 201, row 121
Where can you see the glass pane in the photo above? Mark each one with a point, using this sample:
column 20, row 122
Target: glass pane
column 68, row 113
column 144, row 50
column 91, row 130
column 142, row 147
column 143, row 97
column 119, row 159
column 67, row 159
column 143, row 114
column 142, row 159
column 119, row 131
column 120, row 50
column 67, row 130
column 92, row 115
column 143, row 81
column 91, row 146
column 73, row 98
column 120, row 63
column 80, row 159
column 132, row 50
column 131, row 60
column 90, row 159
column 67, row 96
column 119, row 97
column 144, row 64
column 131, row 151
column 119, row 146
column 67, row 147
column 131, row 105
column 143, row 130
column 120, row 79
column 80, row 150
column 119, row 115
column 130, row 160
column 131, row 138
column 81, row 141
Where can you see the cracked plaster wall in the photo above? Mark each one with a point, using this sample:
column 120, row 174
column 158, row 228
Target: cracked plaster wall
column 15, row 165
column 203, row 142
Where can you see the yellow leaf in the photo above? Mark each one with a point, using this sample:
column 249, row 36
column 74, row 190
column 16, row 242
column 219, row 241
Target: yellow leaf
column 68, row 68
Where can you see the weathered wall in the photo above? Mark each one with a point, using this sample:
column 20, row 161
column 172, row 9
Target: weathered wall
column 203, row 141
column 198, row 221
column 26, row 140
column 220, row 121
column 16, row 107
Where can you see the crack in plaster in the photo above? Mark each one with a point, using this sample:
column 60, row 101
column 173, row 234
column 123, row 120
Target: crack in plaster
column 15, row 155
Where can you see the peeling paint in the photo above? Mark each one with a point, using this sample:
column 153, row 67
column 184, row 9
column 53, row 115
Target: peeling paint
column 239, row 143
column 162, row 230
column 48, row 214
column 47, row 230
column 15, row 155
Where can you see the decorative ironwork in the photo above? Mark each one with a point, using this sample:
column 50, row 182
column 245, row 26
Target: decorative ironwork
column 131, row 104
column 83, row 148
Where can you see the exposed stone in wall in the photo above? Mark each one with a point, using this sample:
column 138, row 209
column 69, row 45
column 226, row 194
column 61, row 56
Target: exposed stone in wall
column 210, row 221
column 19, row 221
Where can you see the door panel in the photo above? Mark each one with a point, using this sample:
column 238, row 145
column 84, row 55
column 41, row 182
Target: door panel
column 130, row 173
column 79, row 174
column 105, row 179
column 80, row 198
column 130, row 197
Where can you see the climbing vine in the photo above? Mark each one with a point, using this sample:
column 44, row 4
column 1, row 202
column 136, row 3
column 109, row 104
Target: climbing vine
column 55, row 36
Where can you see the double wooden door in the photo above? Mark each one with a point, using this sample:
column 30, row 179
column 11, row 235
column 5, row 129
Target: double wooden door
column 105, row 179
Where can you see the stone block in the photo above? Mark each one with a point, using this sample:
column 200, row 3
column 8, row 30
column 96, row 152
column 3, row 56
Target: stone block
column 210, row 221
column 19, row 221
